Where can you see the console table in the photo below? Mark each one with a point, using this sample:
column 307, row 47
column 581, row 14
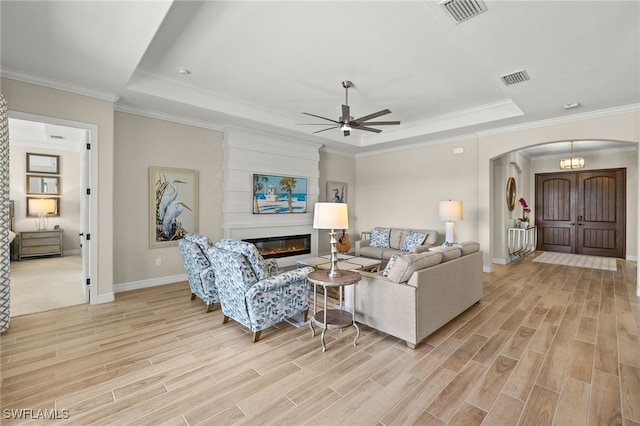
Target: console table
column 40, row 243
column 333, row 318
column 522, row 241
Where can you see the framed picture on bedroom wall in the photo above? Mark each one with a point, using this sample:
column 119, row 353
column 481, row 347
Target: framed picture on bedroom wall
column 173, row 205
column 336, row 192
column 279, row 194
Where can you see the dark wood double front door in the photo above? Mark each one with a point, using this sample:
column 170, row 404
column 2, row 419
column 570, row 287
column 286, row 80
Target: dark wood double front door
column 582, row 212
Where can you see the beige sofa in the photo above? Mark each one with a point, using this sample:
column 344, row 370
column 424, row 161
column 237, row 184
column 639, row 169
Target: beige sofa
column 396, row 239
column 422, row 292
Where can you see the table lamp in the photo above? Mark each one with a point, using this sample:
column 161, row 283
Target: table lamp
column 331, row 216
column 42, row 206
column 450, row 211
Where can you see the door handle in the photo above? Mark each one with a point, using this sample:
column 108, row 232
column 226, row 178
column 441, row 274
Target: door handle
column 579, row 218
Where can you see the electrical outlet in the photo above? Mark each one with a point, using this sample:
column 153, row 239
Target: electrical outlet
column 158, row 262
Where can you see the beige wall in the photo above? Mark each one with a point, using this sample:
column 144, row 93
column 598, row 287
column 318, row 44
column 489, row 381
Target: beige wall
column 622, row 126
column 39, row 100
column 403, row 189
column 338, row 168
column 142, row 142
column 69, row 219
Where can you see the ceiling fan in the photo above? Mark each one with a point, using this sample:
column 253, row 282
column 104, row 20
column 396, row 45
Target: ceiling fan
column 346, row 122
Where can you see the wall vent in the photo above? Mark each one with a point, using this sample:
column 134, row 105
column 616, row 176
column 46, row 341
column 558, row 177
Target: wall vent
column 461, row 10
column 515, row 77
column 56, row 136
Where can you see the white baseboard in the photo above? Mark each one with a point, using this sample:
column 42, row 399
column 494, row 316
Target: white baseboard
column 104, row 298
column 632, row 258
column 136, row 285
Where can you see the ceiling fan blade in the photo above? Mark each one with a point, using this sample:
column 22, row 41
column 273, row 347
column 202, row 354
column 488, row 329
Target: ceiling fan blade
column 328, row 128
column 370, row 116
column 311, row 124
column 345, row 113
column 368, row 129
column 380, row 123
column 324, row 118
column 347, row 133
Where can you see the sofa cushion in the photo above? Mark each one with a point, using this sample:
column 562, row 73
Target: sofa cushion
column 448, row 253
column 413, row 239
column 406, row 264
column 390, row 264
column 468, row 247
column 372, row 252
column 395, row 238
column 380, row 237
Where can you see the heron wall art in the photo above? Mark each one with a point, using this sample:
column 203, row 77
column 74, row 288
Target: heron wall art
column 173, row 204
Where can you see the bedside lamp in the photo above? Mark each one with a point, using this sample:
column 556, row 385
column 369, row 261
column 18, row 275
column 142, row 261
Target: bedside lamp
column 42, row 206
column 450, row 211
column 331, row 216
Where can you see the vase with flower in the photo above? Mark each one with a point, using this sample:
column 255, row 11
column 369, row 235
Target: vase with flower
column 523, row 222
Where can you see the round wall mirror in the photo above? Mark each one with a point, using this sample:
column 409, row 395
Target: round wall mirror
column 511, row 193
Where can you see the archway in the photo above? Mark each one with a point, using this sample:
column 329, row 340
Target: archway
column 621, row 125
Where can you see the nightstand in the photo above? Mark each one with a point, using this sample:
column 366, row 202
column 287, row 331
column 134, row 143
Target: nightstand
column 40, row 243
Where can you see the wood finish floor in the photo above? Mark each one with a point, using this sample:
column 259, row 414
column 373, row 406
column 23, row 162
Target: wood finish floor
column 547, row 344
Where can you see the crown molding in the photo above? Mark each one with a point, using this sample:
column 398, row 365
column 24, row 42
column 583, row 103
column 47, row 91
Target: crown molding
column 560, row 120
column 54, row 84
column 129, row 109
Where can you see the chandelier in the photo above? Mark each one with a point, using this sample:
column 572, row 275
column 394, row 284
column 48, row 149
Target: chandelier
column 572, row 162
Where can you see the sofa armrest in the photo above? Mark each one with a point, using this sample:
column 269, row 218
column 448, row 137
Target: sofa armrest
column 361, row 243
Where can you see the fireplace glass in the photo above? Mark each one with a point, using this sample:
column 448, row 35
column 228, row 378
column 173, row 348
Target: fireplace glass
column 284, row 246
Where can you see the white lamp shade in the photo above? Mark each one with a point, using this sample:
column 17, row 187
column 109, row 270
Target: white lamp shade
column 450, row 210
column 42, row 205
column 330, row 216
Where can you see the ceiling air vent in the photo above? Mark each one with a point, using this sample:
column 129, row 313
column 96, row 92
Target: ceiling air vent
column 56, row 136
column 461, row 10
column 515, row 77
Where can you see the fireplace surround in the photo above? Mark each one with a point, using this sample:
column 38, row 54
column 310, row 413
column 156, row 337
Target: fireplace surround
column 282, row 246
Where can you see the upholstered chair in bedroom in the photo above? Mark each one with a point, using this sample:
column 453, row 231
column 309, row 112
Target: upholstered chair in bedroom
column 257, row 303
column 197, row 263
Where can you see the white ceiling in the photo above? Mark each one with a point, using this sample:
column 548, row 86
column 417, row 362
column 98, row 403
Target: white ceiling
column 260, row 64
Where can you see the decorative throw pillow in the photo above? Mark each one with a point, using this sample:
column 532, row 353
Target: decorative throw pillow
column 413, row 239
column 380, row 237
column 392, row 261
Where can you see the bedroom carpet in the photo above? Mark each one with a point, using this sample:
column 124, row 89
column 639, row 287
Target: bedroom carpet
column 579, row 260
column 42, row 284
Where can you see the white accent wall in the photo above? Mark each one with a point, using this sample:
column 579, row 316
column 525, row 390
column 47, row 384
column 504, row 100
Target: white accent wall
column 246, row 153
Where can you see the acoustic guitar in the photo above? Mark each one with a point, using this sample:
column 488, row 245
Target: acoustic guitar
column 342, row 242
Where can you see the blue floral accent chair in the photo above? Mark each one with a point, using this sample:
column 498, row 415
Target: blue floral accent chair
column 263, row 268
column 197, row 263
column 254, row 302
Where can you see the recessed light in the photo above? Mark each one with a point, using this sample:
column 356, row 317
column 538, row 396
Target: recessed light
column 183, row 71
column 573, row 105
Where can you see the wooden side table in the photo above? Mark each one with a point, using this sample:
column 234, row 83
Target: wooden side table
column 333, row 318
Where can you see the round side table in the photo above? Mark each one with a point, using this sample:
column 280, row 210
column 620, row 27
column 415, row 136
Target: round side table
column 333, row 318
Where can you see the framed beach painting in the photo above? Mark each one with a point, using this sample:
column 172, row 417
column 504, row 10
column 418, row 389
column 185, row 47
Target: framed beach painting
column 336, row 192
column 173, row 205
column 279, row 194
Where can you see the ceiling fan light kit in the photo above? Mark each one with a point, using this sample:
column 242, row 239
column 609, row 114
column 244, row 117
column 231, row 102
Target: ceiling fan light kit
column 346, row 123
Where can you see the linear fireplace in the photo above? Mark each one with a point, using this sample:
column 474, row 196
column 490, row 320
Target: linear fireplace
column 284, row 246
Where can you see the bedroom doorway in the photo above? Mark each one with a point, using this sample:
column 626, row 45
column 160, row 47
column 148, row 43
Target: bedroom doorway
column 582, row 212
column 53, row 282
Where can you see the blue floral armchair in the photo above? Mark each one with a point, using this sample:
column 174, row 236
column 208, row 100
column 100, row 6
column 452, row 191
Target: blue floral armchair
column 257, row 303
column 197, row 263
column 262, row 267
